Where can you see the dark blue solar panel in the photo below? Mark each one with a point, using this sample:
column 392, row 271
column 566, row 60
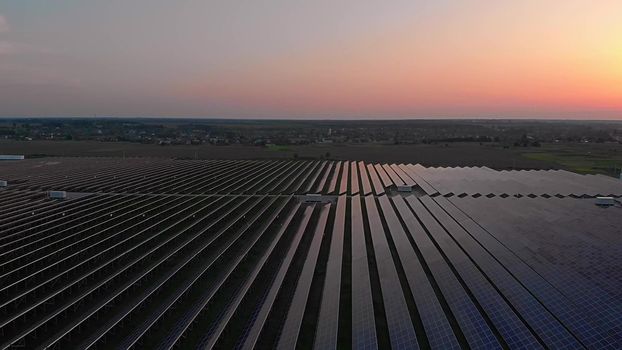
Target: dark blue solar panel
column 293, row 321
column 595, row 308
column 363, row 319
column 375, row 180
column 544, row 323
column 354, row 178
column 437, row 327
column 345, row 178
column 472, row 324
column 514, row 332
column 251, row 335
column 364, row 178
column 386, row 180
column 328, row 320
column 332, row 186
column 401, row 332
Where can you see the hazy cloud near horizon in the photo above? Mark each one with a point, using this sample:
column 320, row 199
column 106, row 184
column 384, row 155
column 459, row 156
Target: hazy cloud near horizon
column 346, row 59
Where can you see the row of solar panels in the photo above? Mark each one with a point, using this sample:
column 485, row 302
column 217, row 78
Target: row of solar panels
column 119, row 271
column 562, row 235
column 484, row 181
column 295, row 176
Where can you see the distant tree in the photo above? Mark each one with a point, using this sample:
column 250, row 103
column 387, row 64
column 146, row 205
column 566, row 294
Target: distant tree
column 327, row 155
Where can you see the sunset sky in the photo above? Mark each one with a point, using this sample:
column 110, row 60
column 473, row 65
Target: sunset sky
column 312, row 59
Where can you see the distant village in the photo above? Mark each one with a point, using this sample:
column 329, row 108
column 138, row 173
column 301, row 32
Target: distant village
column 278, row 132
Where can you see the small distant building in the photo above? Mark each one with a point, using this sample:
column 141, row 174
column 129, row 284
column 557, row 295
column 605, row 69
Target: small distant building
column 605, row 201
column 3, row 183
column 11, row 157
column 57, row 194
column 314, row 198
column 404, row 188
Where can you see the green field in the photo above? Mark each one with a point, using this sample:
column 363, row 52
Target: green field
column 581, row 158
column 277, row 148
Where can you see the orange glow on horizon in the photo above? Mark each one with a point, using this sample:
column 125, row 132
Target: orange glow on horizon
column 555, row 66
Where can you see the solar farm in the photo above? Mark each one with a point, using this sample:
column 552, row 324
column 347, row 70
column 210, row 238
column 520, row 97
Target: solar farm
column 249, row 254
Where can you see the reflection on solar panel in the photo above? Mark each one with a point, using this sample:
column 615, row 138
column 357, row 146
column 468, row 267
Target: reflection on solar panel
column 577, row 322
column 515, row 333
column 345, row 177
column 401, row 331
column 378, row 187
column 386, row 180
column 364, row 178
column 354, row 178
column 229, row 254
column 251, row 336
column 472, row 323
column 363, row 321
column 396, row 179
column 291, row 329
column 322, row 183
column 332, row 186
column 544, row 324
column 438, row 330
column 210, row 339
column 328, row 319
column 402, row 174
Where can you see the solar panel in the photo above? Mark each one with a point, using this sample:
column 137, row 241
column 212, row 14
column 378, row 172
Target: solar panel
column 309, row 177
column 313, row 179
column 328, row 320
column 332, row 186
column 544, row 324
column 167, row 254
column 169, row 223
column 514, row 332
column 437, row 327
column 386, row 180
column 588, row 297
column 429, row 190
column 364, row 178
column 239, row 231
column 249, row 339
column 289, row 178
column 409, row 181
column 354, row 178
column 396, row 179
column 343, row 187
column 378, row 187
column 293, row 320
column 211, row 337
column 474, row 327
column 363, row 319
column 401, row 330
column 322, row 183
column 579, row 323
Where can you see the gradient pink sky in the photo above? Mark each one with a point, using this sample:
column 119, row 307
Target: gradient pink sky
column 312, row 59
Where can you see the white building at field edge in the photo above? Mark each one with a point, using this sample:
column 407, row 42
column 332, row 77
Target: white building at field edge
column 11, row 157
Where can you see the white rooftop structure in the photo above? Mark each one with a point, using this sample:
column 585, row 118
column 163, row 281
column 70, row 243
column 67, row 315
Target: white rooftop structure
column 11, row 157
